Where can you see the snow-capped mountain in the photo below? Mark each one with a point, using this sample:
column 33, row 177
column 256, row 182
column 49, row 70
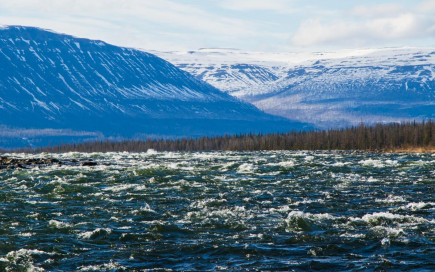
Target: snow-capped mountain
column 55, row 84
column 327, row 89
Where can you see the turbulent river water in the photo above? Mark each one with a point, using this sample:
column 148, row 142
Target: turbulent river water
column 239, row 211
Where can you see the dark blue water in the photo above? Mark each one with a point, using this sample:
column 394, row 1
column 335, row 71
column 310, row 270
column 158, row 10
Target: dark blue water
column 237, row 211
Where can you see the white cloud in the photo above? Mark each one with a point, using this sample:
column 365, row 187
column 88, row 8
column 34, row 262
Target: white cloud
column 245, row 24
column 403, row 26
column 389, row 9
column 368, row 26
column 137, row 23
column 131, row 12
column 427, row 7
column 314, row 32
column 247, row 5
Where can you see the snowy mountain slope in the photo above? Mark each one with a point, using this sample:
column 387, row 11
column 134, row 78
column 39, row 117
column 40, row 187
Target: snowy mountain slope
column 56, row 81
column 328, row 89
column 230, row 70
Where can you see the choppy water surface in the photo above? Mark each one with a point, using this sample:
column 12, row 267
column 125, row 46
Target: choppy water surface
column 220, row 211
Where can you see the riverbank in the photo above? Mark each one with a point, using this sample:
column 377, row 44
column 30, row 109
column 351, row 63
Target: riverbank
column 429, row 150
column 405, row 137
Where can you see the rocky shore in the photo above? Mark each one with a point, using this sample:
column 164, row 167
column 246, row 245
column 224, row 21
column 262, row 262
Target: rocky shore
column 13, row 163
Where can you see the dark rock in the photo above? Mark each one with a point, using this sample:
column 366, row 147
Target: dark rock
column 89, row 163
column 53, row 161
column 13, row 163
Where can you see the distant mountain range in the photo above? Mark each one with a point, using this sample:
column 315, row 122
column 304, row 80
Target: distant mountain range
column 328, row 89
column 56, row 87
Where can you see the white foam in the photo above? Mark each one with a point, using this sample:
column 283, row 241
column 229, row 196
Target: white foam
column 146, row 208
column 111, row 266
column 151, row 152
column 378, row 217
column 391, row 162
column 280, row 209
column 414, row 206
column 309, row 158
column 372, row 179
column 246, row 168
column 58, row 224
column 372, row 163
column 24, row 257
column 391, row 199
column 340, row 164
column 200, row 204
column 89, row 234
column 319, row 216
column 122, row 187
column 24, row 251
column 385, row 242
column 284, row 164
column 227, row 165
column 353, row 235
column 308, row 201
column 26, row 234
column 389, row 231
column 237, row 214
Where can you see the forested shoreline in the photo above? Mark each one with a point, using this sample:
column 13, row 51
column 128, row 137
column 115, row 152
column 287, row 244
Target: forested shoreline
column 409, row 136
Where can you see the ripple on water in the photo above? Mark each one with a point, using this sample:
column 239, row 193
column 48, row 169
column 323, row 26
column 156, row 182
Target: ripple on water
column 211, row 211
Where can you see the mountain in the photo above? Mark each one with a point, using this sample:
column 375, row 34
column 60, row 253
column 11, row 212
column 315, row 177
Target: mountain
column 334, row 89
column 55, row 87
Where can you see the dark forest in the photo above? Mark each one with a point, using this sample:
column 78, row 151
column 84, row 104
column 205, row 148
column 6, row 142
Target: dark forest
column 409, row 136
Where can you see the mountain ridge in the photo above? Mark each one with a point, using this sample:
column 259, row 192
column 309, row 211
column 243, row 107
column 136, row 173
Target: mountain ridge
column 328, row 89
column 56, row 81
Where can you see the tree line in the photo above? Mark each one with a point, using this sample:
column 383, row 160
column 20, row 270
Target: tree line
column 379, row 137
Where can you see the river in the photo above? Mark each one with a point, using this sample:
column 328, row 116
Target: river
column 212, row 211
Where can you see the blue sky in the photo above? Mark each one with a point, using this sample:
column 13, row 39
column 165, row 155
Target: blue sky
column 259, row 25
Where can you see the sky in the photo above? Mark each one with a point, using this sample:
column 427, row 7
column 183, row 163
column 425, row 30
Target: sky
column 254, row 25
